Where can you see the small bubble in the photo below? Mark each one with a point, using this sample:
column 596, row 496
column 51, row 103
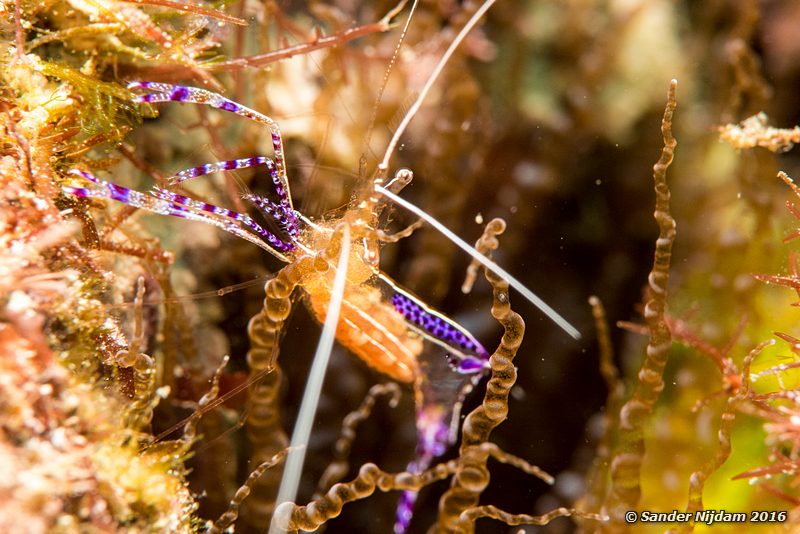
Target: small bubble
column 479, row 218
column 598, row 182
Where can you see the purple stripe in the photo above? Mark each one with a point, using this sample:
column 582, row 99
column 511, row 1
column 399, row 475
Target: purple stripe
column 208, row 168
column 179, row 93
column 143, row 85
column 468, row 365
column 435, row 325
column 77, row 191
column 405, row 511
column 227, row 105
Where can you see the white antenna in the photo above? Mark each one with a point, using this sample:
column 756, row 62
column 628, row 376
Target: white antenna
column 308, row 407
column 384, row 165
column 489, row 264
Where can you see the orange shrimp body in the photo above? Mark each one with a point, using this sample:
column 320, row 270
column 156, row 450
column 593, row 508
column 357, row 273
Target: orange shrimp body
column 370, row 329
column 369, row 326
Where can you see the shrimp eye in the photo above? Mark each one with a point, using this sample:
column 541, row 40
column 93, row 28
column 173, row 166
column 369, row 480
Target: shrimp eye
column 401, row 179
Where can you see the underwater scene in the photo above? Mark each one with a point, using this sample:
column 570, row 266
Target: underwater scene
column 399, row 267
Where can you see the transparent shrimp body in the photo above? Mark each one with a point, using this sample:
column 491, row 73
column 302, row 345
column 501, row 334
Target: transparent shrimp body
column 397, row 334
column 386, row 326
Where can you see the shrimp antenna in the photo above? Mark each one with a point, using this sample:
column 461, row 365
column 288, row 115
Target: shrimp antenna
column 308, row 406
column 388, row 71
column 489, row 264
column 383, row 167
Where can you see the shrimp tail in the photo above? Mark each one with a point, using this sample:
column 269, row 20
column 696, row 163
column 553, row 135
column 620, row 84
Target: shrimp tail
column 441, row 388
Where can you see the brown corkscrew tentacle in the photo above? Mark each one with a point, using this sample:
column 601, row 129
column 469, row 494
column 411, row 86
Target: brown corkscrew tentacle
column 627, row 462
column 264, row 429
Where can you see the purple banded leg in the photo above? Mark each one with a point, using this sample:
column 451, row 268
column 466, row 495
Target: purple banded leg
column 168, row 206
column 124, row 195
column 230, row 165
column 245, row 219
column 164, row 92
column 234, row 164
column 283, row 215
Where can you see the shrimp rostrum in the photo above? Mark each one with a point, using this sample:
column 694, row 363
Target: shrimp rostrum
column 385, row 325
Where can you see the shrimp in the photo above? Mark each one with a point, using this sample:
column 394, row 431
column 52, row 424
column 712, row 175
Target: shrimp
column 386, row 326
column 389, row 328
